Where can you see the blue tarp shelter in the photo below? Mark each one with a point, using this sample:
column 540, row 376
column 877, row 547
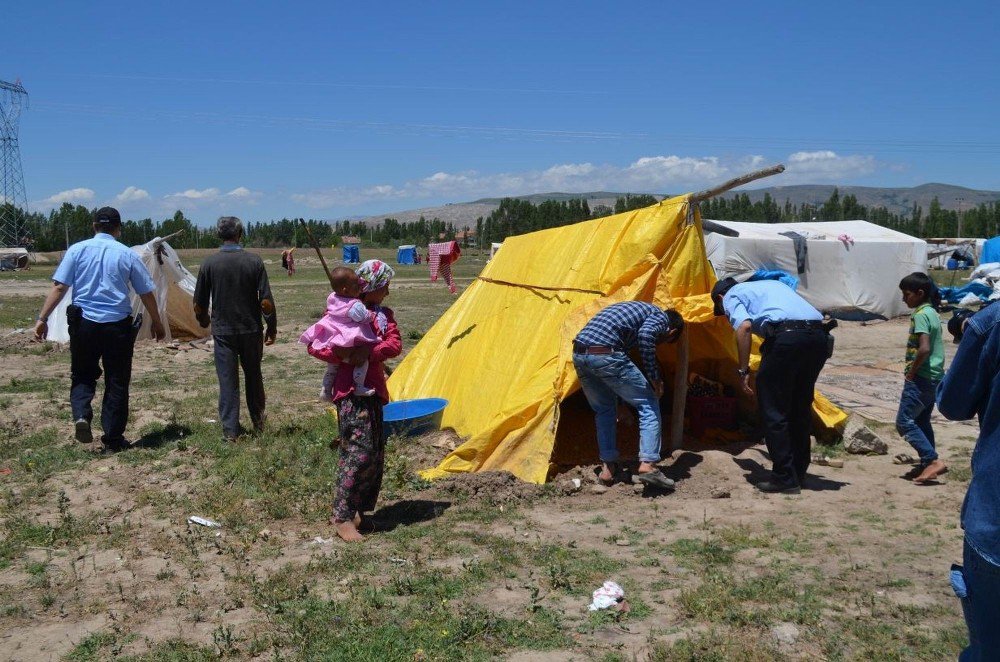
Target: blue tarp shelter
column 352, row 253
column 991, row 251
column 406, row 255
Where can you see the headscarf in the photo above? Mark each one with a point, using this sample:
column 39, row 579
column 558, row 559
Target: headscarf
column 374, row 275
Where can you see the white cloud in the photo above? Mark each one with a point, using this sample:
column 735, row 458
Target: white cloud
column 826, row 165
column 72, row 195
column 655, row 174
column 243, row 192
column 132, row 194
column 195, row 194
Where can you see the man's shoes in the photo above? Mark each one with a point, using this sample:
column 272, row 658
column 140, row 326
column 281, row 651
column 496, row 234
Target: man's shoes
column 777, row 488
column 116, row 446
column 82, row 431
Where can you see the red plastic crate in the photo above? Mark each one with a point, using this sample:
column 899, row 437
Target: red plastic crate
column 705, row 413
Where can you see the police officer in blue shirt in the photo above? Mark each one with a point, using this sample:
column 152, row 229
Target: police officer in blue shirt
column 101, row 328
column 795, row 347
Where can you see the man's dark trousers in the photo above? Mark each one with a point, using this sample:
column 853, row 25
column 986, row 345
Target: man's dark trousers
column 790, row 364
column 90, row 345
column 231, row 352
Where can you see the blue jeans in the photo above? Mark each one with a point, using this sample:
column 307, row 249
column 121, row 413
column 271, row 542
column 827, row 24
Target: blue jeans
column 913, row 421
column 979, row 581
column 607, row 377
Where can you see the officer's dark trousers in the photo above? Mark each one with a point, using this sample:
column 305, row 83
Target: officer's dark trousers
column 92, row 344
column 231, row 352
column 790, row 364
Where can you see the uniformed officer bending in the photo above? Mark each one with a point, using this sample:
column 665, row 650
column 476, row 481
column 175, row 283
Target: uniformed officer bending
column 792, row 355
column 101, row 329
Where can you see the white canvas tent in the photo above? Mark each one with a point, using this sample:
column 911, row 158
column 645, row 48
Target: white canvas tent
column 857, row 276
column 174, row 297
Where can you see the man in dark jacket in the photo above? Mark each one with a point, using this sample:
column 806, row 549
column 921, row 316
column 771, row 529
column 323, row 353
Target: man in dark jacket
column 234, row 283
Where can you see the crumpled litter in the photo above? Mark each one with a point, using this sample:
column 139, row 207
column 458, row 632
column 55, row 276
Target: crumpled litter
column 320, row 540
column 847, row 239
column 607, row 596
column 203, row 521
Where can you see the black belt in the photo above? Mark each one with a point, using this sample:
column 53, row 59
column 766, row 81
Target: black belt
column 580, row 348
column 798, row 325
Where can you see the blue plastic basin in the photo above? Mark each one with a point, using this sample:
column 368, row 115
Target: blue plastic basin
column 407, row 418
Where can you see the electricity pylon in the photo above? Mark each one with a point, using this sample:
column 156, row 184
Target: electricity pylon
column 13, row 201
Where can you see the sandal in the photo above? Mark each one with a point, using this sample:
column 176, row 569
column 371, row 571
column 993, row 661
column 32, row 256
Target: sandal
column 655, row 478
column 615, row 474
column 903, row 458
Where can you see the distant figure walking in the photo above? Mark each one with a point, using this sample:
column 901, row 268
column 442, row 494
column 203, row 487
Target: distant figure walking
column 288, row 260
column 101, row 328
column 234, row 284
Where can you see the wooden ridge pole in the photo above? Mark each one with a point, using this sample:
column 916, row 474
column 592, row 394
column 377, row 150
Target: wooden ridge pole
column 312, row 240
column 683, row 345
column 738, row 181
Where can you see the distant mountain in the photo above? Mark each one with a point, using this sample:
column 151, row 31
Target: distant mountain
column 461, row 214
column 899, row 200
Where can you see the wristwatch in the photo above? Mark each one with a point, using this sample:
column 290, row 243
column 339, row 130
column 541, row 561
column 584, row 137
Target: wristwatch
column 743, row 372
column 42, row 319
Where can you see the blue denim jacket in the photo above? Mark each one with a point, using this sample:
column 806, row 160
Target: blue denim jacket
column 971, row 387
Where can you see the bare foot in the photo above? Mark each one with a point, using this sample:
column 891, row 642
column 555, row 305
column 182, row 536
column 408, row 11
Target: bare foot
column 646, row 467
column 931, row 471
column 348, row 531
column 607, row 474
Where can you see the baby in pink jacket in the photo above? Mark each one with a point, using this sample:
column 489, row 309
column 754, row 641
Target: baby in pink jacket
column 347, row 323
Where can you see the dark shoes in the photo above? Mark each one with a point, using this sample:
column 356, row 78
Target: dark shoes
column 770, row 487
column 82, row 431
column 117, row 446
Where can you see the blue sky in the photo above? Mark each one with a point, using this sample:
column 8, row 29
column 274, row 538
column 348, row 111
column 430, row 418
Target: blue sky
column 331, row 109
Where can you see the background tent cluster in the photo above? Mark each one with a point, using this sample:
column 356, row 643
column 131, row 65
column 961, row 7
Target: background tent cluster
column 13, row 259
column 953, row 252
column 174, row 297
column 519, row 403
column 406, row 254
column 846, row 268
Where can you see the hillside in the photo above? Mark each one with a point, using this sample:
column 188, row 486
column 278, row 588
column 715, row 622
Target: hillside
column 899, row 200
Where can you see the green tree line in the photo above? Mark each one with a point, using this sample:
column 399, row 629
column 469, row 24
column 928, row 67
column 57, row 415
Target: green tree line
column 71, row 223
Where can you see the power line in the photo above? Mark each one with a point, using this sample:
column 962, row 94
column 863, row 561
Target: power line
column 654, row 139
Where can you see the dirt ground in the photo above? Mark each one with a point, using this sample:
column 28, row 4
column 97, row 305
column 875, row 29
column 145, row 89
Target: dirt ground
column 102, row 561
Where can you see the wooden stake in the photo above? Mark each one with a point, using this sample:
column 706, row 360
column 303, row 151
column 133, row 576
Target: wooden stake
column 680, row 392
column 312, row 240
column 738, row 181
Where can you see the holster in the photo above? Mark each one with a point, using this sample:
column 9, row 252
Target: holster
column 74, row 314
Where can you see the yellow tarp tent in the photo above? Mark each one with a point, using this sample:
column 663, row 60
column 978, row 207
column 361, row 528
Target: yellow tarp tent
column 501, row 355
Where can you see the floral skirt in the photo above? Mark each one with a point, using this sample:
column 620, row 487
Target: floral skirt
column 362, row 456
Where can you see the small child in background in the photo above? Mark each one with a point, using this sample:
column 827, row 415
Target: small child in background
column 347, row 323
column 924, row 370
